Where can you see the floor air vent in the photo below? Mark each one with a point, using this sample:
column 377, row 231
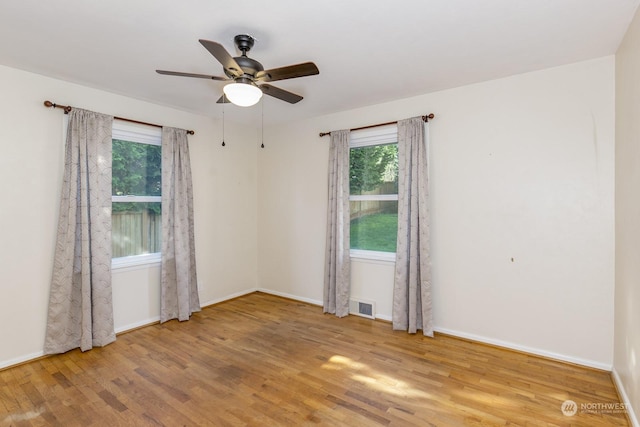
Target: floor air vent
column 363, row 308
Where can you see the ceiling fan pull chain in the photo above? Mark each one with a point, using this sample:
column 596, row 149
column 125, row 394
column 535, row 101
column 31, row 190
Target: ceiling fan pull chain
column 223, row 100
column 262, row 127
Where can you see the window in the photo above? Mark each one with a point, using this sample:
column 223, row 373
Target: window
column 373, row 185
column 136, row 221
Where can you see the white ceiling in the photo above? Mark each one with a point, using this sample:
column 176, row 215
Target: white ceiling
column 368, row 51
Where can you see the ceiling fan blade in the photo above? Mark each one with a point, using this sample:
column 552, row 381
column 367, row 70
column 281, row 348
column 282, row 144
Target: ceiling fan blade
column 221, row 54
column 223, row 100
column 288, row 72
column 282, row 94
column 200, row 76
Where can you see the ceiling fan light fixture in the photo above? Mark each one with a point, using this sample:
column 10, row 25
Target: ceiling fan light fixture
column 242, row 94
column 243, row 72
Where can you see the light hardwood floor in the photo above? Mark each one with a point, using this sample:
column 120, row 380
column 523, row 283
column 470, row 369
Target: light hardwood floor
column 261, row 360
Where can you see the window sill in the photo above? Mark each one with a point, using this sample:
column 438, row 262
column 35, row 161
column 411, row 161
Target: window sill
column 385, row 257
column 136, row 262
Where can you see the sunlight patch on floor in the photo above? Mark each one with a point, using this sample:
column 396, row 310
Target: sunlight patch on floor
column 21, row 417
column 487, row 398
column 361, row 373
column 338, row 363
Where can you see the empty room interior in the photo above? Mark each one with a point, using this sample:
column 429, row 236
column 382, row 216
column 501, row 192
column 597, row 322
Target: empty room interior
column 427, row 214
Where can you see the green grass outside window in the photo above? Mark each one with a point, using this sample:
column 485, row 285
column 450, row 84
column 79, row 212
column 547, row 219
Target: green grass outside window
column 375, row 232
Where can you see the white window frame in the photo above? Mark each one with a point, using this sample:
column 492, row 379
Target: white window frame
column 380, row 135
column 144, row 135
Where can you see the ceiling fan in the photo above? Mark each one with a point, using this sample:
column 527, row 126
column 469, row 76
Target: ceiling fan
column 246, row 73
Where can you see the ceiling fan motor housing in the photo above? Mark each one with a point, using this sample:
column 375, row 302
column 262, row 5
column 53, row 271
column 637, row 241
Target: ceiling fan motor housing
column 248, row 65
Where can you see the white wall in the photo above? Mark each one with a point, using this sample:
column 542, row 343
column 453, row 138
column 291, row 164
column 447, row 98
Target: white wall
column 522, row 168
column 31, row 166
column 627, row 299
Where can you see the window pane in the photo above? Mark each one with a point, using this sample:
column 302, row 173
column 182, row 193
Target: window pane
column 136, row 169
column 374, row 225
column 136, row 228
column 374, row 169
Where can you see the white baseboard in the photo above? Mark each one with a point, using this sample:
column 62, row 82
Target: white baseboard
column 136, row 325
column 228, row 297
column 478, row 338
column 290, row 296
column 156, row 319
column 120, row 329
column 625, row 399
column 499, row 343
column 311, row 301
column 21, row 359
column 525, row 349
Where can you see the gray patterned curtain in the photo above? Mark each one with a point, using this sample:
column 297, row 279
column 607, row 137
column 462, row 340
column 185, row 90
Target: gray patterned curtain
column 337, row 272
column 179, row 287
column 412, row 285
column 80, row 301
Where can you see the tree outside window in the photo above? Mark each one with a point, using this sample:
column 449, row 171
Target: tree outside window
column 136, row 198
column 373, row 186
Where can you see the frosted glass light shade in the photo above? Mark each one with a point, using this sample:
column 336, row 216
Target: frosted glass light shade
column 242, row 94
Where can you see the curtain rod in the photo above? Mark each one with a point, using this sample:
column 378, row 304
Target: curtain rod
column 424, row 119
column 68, row 108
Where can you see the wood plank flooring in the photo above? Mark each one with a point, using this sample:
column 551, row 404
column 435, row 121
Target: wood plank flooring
column 261, row 360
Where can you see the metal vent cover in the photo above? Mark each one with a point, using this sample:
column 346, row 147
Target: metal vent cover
column 362, row 307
